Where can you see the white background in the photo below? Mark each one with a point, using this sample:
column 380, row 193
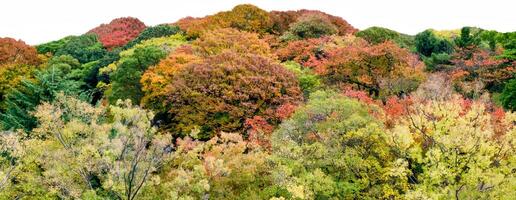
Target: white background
column 37, row 21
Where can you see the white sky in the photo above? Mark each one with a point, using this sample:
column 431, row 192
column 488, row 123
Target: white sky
column 38, row 21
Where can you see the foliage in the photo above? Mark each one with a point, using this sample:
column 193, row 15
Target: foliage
column 377, row 35
column 215, row 42
column 85, row 48
column 118, row 32
column 17, row 52
column 455, row 149
column 508, row 96
column 125, row 79
column 85, row 152
column 218, row 93
column 333, row 148
column 308, row 81
column 63, row 74
column 310, row 26
column 53, row 46
column 153, row 32
column 243, row 17
column 427, row 43
column 225, row 167
column 11, row 75
column 383, row 70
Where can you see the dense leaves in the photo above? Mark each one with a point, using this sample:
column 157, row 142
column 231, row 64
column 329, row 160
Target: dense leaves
column 219, row 93
column 118, row 32
column 16, row 51
column 252, row 104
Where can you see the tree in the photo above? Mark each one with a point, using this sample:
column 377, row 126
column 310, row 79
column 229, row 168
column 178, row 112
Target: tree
column 377, row 35
column 85, row 48
column 220, row 92
column 508, row 96
column 333, row 148
column 220, row 40
column 383, row 70
column 53, row 46
column 90, row 152
column 118, row 32
column 63, row 74
column 224, row 167
column 158, row 31
column 427, row 43
column 310, row 26
column 456, row 149
column 125, row 79
column 17, row 52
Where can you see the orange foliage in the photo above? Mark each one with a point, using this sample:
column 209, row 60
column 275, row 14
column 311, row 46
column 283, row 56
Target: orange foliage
column 17, row 52
column 217, row 41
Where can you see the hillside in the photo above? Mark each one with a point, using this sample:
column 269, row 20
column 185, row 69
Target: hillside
column 251, row 104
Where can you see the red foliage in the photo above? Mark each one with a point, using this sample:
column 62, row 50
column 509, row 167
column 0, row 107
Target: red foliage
column 118, row 32
column 259, row 131
column 285, row 111
column 360, row 95
column 16, row 51
column 308, row 53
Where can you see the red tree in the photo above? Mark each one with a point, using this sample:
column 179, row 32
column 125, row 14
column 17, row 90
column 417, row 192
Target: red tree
column 119, row 31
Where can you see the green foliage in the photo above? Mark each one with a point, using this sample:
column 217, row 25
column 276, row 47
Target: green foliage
column 457, row 152
column 225, row 167
column 427, row 43
column 153, row 32
column 466, row 38
column 63, row 74
column 54, row 46
column 310, row 26
column 84, row 48
column 125, row 80
column 88, row 152
column 166, row 43
column 308, row 81
column 508, row 96
column 333, row 148
column 438, row 62
column 377, row 35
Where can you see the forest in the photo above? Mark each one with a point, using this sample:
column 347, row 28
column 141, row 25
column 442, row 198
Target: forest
column 255, row 104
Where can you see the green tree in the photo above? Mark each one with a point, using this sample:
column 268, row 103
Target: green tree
column 310, row 26
column 88, row 152
column 508, row 96
column 125, row 80
column 333, row 148
column 377, row 35
column 427, row 43
column 158, row 31
column 84, row 48
column 63, row 74
column 457, row 151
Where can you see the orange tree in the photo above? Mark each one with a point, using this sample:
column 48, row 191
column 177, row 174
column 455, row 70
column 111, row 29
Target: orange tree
column 16, row 51
column 384, row 69
column 219, row 93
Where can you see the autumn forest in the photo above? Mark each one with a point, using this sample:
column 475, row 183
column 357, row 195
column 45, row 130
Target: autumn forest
column 252, row 104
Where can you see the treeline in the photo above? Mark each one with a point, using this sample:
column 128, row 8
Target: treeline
column 250, row 104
